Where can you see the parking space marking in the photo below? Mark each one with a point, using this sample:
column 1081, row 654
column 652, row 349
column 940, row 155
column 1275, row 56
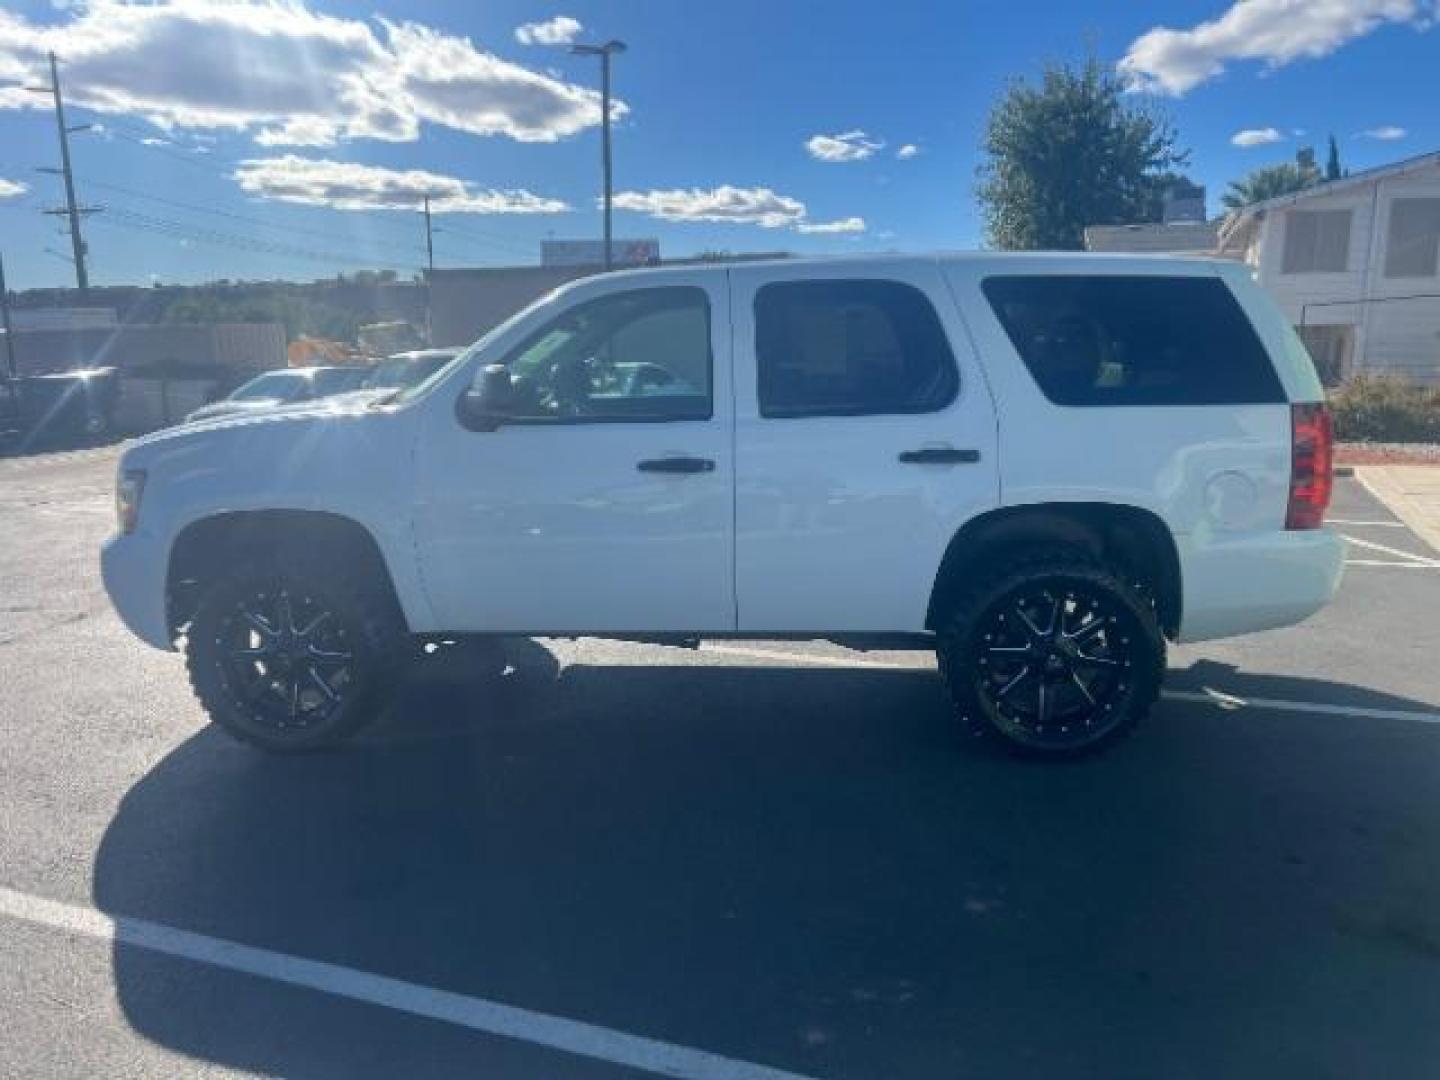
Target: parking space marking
column 1371, row 545
column 1232, row 703
column 489, row 1017
column 1389, row 562
column 1205, row 697
column 1366, row 524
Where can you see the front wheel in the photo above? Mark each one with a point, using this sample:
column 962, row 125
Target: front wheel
column 290, row 660
column 1055, row 655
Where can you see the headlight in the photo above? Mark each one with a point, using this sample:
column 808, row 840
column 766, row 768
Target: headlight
column 129, row 488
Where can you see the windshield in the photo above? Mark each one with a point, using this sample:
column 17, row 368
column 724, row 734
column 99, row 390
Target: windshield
column 402, row 371
column 272, row 386
column 412, row 392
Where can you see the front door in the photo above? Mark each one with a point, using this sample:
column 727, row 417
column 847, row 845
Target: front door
column 865, row 438
column 605, row 506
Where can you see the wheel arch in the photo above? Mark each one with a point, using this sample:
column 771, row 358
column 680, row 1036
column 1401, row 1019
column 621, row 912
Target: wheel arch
column 1125, row 535
column 206, row 546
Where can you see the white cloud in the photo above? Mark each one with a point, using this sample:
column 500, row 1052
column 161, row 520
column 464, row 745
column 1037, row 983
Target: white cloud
column 451, row 82
column 561, row 30
column 345, row 185
column 734, row 206
column 1278, row 32
column 840, row 226
column 10, row 188
column 1256, row 137
column 284, row 73
column 741, row 206
column 1385, row 133
column 908, row 151
column 847, row 146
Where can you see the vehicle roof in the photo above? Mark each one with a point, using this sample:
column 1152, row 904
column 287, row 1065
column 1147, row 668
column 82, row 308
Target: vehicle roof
column 415, row 355
column 993, row 261
column 310, row 371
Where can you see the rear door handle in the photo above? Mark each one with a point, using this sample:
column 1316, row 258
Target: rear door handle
column 939, row 455
column 677, row 465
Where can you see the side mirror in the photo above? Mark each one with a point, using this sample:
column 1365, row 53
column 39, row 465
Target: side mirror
column 488, row 403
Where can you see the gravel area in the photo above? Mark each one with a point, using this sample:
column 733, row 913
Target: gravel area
column 1360, row 453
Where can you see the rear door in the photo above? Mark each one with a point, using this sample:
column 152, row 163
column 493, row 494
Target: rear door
column 865, row 437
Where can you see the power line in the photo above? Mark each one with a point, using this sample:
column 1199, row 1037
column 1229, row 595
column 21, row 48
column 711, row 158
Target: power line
column 187, row 231
column 230, row 215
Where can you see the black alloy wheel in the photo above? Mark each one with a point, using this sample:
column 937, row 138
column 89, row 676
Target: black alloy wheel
column 291, row 660
column 1057, row 657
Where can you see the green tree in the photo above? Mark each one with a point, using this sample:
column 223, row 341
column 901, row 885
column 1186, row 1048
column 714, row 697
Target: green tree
column 1274, row 180
column 1070, row 152
column 1332, row 163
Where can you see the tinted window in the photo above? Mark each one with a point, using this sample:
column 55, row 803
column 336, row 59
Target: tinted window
column 1413, row 241
column 637, row 355
column 337, row 380
column 1134, row 340
column 847, row 348
column 272, row 385
column 1316, row 241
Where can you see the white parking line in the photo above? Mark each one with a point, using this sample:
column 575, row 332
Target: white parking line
column 1206, row 697
column 492, row 1018
column 1231, row 702
column 1366, row 524
column 1370, row 545
column 1389, row 562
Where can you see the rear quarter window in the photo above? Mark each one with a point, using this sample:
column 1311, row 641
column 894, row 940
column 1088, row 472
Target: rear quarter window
column 1093, row 341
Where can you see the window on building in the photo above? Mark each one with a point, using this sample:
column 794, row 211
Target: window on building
column 1331, row 348
column 1316, row 241
column 850, row 348
column 1098, row 341
column 1412, row 246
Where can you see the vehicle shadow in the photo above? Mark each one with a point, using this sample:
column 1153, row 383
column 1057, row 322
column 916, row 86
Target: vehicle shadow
column 806, row 868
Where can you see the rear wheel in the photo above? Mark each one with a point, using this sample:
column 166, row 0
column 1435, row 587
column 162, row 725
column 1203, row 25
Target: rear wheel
column 291, row 659
column 1055, row 655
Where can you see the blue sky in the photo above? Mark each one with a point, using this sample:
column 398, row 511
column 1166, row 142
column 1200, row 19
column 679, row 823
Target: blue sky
column 749, row 125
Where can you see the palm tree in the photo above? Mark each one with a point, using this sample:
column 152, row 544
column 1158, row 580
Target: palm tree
column 1273, row 180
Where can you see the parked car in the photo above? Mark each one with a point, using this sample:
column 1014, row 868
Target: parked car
column 408, row 368
column 1041, row 466
column 281, row 387
column 59, row 407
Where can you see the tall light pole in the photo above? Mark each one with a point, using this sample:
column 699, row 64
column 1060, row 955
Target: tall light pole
column 605, row 52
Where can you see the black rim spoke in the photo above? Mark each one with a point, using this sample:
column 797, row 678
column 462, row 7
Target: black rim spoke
column 1066, row 646
column 287, row 658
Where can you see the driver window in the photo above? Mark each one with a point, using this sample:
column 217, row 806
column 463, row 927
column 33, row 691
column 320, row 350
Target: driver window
column 637, row 355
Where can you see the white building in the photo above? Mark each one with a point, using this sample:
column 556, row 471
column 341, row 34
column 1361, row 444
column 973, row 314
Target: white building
column 1355, row 263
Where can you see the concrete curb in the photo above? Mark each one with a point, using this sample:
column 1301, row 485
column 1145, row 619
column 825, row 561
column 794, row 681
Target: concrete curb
column 1421, row 513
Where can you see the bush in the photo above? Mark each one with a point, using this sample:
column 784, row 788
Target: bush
column 1374, row 408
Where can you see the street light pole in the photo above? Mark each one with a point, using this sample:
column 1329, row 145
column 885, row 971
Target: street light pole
column 605, row 52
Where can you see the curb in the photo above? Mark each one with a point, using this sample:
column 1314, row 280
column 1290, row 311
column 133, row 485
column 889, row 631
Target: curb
column 1344, row 470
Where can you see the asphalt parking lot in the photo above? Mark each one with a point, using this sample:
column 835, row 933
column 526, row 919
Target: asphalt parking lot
column 756, row 860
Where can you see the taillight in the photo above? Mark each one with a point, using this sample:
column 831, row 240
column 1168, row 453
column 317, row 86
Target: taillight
column 1312, row 445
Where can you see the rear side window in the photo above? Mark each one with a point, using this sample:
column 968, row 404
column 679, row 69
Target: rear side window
column 850, row 348
column 1092, row 341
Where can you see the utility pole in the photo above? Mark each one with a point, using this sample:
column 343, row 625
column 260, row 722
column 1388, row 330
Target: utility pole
column 5, row 324
column 605, row 52
column 429, row 238
column 72, row 210
column 429, row 275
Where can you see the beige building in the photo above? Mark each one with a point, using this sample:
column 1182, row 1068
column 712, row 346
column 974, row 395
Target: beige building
column 1355, row 263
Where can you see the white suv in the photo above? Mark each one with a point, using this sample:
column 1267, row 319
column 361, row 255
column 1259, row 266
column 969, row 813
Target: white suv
column 1041, row 466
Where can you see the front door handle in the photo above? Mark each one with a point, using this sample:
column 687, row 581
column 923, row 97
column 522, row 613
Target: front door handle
column 940, row 455
column 677, row 465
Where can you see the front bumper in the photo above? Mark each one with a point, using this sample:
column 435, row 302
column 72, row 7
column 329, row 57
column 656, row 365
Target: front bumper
column 133, row 569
